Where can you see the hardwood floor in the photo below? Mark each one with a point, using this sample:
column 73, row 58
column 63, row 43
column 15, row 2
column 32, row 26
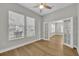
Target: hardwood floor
column 52, row 47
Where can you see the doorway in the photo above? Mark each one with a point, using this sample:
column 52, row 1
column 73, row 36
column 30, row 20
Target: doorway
column 63, row 28
column 53, row 28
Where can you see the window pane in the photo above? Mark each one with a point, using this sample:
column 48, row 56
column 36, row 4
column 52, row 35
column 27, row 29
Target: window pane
column 53, row 28
column 16, row 25
column 30, row 23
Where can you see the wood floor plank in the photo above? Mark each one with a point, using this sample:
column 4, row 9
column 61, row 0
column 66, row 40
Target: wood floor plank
column 52, row 47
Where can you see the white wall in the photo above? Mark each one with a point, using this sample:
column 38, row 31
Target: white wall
column 57, row 15
column 61, row 13
column 4, row 41
column 69, row 11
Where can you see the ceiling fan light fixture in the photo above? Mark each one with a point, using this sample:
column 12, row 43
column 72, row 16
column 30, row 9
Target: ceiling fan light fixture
column 41, row 6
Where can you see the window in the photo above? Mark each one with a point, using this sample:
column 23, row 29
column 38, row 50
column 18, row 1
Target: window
column 30, row 23
column 53, row 28
column 16, row 25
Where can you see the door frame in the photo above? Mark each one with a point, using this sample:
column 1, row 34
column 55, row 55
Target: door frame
column 71, row 41
column 44, row 30
column 48, row 28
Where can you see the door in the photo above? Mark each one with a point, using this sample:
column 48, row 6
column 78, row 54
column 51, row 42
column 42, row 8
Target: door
column 68, row 32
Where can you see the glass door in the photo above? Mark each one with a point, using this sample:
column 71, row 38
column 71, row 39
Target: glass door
column 68, row 40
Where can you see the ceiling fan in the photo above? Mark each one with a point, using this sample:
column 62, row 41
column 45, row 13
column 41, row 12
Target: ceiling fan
column 41, row 6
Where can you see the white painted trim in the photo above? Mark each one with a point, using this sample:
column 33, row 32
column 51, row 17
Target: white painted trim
column 14, row 47
column 78, row 51
column 71, row 30
column 68, row 45
column 44, row 30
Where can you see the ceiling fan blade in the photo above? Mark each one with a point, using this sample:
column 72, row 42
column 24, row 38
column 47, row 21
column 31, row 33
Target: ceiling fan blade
column 41, row 3
column 48, row 7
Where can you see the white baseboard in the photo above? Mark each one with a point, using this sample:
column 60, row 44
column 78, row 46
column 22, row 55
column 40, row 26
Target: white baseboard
column 14, row 47
column 68, row 45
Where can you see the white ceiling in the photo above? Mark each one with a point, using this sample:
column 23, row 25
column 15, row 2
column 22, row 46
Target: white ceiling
column 55, row 6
